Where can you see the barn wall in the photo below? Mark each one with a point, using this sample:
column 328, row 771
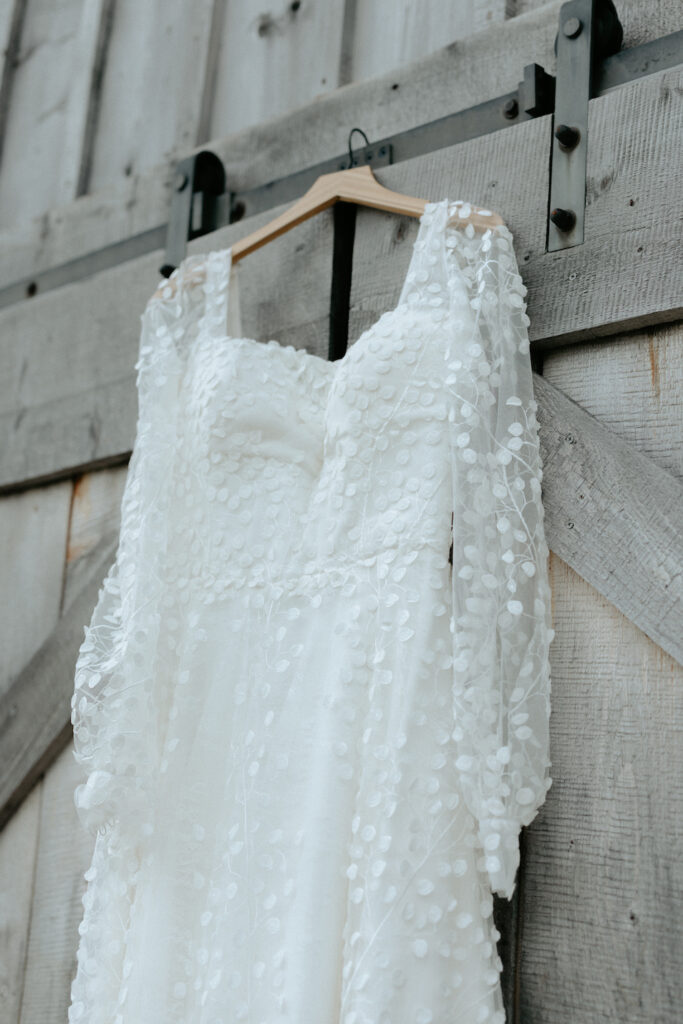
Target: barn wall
column 107, row 94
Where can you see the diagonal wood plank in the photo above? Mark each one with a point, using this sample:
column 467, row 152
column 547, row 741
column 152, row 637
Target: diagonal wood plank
column 53, row 913
column 610, row 513
column 35, row 720
column 614, row 516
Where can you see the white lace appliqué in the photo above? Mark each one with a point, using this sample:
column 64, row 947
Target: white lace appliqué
column 308, row 742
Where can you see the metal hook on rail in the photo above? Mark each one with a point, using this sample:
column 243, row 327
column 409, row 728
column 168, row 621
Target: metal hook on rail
column 367, row 143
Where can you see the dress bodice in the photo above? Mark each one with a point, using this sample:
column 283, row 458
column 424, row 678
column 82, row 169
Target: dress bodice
column 296, row 460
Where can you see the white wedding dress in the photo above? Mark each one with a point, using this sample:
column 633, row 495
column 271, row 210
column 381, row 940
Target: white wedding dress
column 308, row 745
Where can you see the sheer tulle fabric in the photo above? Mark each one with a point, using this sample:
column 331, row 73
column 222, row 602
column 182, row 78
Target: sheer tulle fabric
column 308, row 744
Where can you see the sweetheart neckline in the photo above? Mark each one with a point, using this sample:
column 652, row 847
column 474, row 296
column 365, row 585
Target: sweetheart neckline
column 219, row 262
column 273, row 344
column 223, row 258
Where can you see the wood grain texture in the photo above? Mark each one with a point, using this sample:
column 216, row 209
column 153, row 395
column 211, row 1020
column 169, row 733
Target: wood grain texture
column 603, row 866
column 11, row 21
column 134, row 103
column 33, row 531
column 458, row 75
column 614, row 516
column 274, row 59
column 152, row 91
column 387, row 34
column 95, row 513
column 39, row 109
column 603, row 876
column 53, row 910
column 634, row 384
column 33, row 725
column 63, row 855
column 19, row 843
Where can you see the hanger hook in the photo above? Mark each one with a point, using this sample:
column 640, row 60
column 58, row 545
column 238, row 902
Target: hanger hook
column 367, row 143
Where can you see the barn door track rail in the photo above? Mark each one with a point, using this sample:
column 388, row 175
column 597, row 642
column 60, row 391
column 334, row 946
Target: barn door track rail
column 589, row 64
column 589, row 32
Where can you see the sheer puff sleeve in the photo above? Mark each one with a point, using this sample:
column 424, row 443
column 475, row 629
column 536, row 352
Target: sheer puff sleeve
column 123, row 668
column 501, row 602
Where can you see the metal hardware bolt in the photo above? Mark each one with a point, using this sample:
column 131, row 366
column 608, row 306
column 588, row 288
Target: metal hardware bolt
column 572, row 27
column 566, row 136
column 563, row 219
column 180, row 181
column 511, row 109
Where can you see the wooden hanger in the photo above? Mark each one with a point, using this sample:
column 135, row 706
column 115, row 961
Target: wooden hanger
column 355, row 185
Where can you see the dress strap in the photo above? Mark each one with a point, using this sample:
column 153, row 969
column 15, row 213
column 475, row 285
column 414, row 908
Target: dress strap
column 234, row 317
column 198, row 300
column 432, row 281
column 220, row 291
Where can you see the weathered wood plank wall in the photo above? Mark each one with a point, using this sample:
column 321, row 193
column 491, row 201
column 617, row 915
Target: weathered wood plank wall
column 471, row 67
column 601, row 871
column 604, row 862
column 33, row 536
column 157, row 79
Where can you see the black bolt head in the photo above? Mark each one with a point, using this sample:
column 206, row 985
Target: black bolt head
column 572, row 27
column 567, row 136
column 511, row 109
column 564, row 220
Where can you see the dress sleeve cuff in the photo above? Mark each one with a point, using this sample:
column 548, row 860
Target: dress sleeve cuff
column 499, row 838
column 106, row 798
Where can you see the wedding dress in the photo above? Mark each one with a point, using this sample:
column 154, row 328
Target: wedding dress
column 308, row 742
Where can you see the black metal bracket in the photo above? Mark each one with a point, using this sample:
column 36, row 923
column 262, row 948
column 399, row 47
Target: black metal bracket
column 589, row 32
column 201, row 175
